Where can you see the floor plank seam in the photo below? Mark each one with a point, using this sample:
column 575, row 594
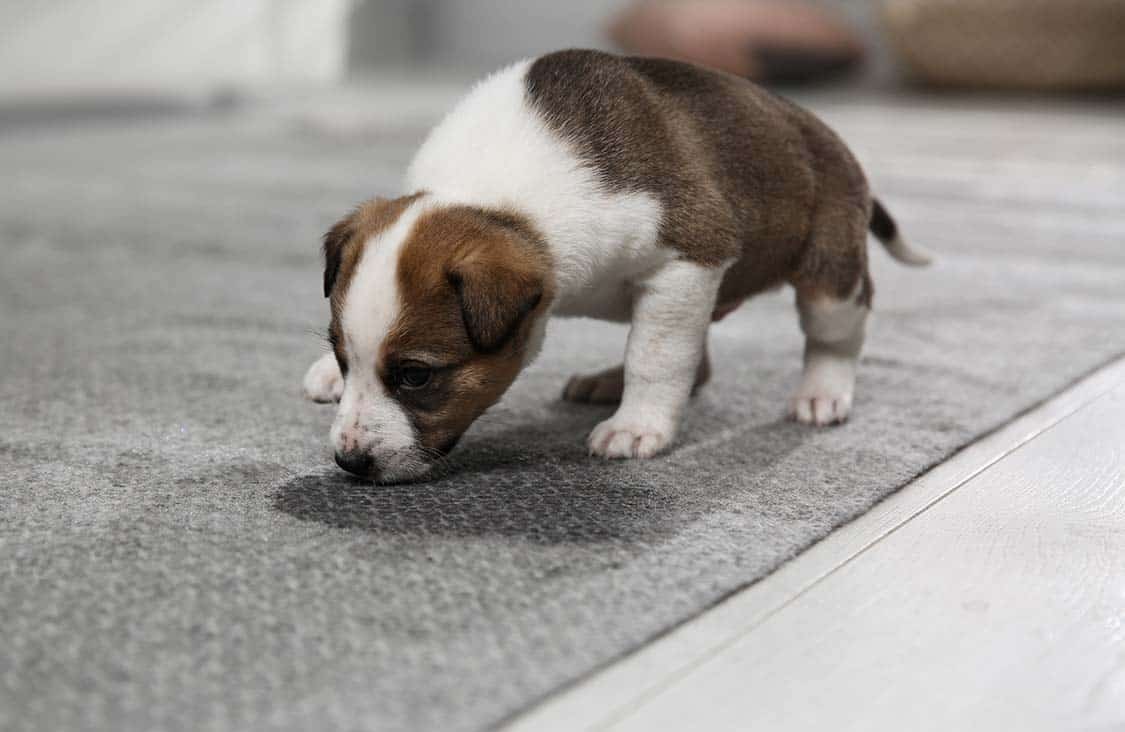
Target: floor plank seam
column 627, row 710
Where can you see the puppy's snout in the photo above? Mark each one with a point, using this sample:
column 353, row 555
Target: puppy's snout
column 357, row 463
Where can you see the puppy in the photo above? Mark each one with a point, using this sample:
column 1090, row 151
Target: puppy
column 581, row 183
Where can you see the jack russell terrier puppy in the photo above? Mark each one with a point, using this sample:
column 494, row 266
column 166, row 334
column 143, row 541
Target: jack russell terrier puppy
column 581, row 183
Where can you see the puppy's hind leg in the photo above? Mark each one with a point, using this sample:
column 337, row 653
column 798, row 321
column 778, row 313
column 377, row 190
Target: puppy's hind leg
column 601, row 387
column 323, row 381
column 606, row 387
column 834, row 329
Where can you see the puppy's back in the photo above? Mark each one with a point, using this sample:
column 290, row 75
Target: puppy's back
column 736, row 170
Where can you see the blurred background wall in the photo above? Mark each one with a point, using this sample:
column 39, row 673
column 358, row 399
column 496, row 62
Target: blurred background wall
column 480, row 33
column 59, row 47
column 483, row 34
column 50, row 47
column 56, row 48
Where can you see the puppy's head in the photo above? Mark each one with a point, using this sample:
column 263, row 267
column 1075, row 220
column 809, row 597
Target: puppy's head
column 435, row 310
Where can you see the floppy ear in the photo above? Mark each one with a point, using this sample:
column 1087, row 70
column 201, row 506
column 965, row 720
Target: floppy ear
column 496, row 291
column 334, row 242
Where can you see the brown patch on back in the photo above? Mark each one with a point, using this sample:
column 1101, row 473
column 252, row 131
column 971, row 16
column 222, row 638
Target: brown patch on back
column 636, row 141
column 472, row 281
column 740, row 172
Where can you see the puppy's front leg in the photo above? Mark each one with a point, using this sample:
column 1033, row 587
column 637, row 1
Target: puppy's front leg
column 323, row 381
column 671, row 312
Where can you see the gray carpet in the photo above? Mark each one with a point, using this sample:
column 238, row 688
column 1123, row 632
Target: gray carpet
column 178, row 552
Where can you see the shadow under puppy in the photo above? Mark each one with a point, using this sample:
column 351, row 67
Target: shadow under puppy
column 586, row 184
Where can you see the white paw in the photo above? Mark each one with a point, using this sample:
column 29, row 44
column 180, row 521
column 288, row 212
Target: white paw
column 323, row 381
column 821, row 409
column 620, row 437
column 825, row 394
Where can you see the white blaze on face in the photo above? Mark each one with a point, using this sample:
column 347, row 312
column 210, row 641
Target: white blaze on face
column 369, row 420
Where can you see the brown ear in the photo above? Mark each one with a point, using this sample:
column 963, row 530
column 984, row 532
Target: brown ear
column 334, row 242
column 497, row 288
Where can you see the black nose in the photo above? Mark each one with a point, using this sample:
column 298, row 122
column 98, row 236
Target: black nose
column 357, row 463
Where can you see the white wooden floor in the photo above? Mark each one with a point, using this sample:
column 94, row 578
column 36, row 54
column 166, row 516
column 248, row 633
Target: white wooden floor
column 988, row 594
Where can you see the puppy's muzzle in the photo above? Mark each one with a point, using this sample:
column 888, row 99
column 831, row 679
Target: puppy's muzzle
column 358, row 463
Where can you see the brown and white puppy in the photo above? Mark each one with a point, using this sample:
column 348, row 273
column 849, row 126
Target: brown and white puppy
column 586, row 184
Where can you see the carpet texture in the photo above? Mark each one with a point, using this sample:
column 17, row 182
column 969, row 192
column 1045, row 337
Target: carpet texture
column 178, row 552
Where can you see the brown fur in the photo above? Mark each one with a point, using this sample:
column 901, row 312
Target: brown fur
column 468, row 279
column 740, row 173
column 607, row 386
column 343, row 246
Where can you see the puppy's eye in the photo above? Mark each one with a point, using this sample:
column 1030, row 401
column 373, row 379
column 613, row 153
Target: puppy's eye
column 414, row 375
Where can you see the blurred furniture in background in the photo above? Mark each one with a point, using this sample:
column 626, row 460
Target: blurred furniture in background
column 1016, row 44
column 61, row 48
column 485, row 34
column 787, row 41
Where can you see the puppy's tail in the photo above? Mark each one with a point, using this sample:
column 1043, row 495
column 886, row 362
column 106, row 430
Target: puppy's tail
column 886, row 231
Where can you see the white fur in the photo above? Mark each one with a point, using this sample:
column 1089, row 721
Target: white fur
column 369, row 419
column 494, row 150
column 671, row 311
column 834, row 335
column 906, row 253
column 323, row 382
